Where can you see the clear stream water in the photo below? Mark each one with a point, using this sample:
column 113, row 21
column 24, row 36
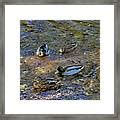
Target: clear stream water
column 59, row 34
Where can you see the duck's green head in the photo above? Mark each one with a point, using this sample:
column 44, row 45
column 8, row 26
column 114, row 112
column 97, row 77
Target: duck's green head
column 61, row 69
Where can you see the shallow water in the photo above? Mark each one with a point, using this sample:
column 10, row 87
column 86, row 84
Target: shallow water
column 60, row 34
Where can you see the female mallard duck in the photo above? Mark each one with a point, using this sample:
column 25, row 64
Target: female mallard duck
column 68, row 48
column 70, row 70
column 43, row 86
column 42, row 50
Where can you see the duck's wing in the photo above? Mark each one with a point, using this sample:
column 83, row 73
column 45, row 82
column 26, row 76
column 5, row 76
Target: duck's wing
column 46, row 46
column 71, row 72
column 74, row 67
column 38, row 50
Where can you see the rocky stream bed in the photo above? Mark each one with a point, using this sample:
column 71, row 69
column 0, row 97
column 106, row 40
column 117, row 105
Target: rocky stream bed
column 39, row 80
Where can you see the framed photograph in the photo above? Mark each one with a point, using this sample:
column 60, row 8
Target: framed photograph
column 60, row 60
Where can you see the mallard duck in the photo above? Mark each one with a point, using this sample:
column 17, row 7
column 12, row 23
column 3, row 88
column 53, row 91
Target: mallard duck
column 68, row 48
column 42, row 86
column 69, row 71
column 42, row 50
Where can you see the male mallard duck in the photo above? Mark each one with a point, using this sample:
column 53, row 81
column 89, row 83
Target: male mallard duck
column 70, row 70
column 43, row 50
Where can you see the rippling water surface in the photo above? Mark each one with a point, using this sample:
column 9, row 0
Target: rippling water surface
column 38, row 74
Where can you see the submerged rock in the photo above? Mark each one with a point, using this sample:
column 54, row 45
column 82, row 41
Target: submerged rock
column 91, row 87
column 23, row 87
